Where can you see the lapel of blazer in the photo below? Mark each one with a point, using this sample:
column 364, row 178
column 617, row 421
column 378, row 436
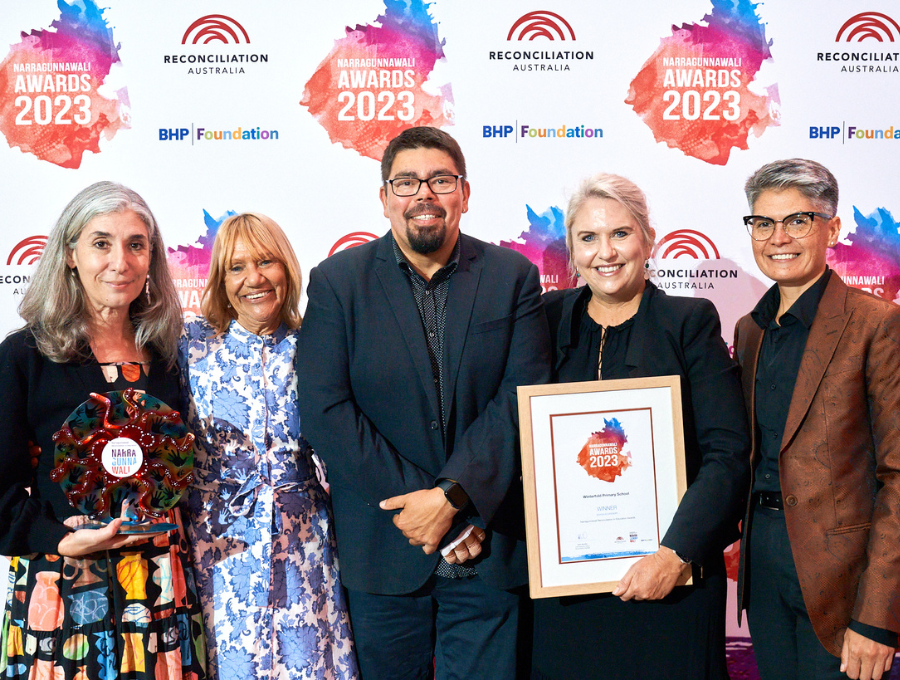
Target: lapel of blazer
column 824, row 334
column 566, row 319
column 641, row 344
column 403, row 305
column 460, row 303
column 748, row 346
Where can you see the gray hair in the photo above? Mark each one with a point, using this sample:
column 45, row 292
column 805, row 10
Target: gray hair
column 617, row 188
column 811, row 179
column 55, row 308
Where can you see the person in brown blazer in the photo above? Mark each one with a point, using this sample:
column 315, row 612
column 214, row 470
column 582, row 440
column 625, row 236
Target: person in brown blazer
column 820, row 556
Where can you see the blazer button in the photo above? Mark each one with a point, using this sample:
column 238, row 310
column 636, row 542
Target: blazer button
column 434, row 425
column 791, row 500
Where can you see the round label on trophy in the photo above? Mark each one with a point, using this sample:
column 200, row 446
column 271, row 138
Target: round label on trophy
column 122, row 457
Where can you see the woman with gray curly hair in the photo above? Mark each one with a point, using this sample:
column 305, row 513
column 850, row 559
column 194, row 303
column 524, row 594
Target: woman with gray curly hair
column 101, row 314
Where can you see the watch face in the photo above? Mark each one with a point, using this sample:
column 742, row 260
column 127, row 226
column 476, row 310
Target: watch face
column 456, row 496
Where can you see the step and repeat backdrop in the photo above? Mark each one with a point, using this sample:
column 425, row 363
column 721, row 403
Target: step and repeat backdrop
column 208, row 108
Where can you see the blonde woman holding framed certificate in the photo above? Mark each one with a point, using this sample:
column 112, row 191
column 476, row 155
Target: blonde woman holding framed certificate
column 619, row 325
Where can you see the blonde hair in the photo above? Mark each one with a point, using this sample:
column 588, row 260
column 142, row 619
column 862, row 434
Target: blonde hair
column 263, row 238
column 619, row 189
column 55, row 308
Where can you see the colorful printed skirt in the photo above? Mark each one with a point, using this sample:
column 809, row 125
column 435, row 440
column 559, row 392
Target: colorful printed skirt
column 129, row 613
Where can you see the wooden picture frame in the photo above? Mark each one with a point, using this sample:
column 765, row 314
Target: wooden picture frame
column 603, row 472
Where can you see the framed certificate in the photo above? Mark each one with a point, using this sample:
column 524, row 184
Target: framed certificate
column 603, row 470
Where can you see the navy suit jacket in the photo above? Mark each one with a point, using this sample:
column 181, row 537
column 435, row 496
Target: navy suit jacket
column 369, row 405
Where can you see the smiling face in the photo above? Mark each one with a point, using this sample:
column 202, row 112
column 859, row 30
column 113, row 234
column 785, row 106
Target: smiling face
column 793, row 263
column 256, row 289
column 609, row 250
column 112, row 259
column 424, row 223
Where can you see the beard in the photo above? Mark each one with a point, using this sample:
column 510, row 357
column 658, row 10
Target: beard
column 427, row 240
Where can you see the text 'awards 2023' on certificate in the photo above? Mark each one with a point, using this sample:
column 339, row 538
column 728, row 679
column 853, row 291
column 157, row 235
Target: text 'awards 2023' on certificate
column 603, row 472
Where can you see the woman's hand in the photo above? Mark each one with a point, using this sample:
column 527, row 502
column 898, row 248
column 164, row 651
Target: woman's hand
column 83, row 542
column 652, row 577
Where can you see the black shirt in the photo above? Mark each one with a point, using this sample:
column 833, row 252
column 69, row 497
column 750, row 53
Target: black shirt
column 431, row 300
column 776, row 373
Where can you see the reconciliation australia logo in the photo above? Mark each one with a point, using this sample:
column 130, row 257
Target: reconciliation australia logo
column 531, row 44
column 351, row 240
column 865, row 43
column 19, row 265
column 214, row 45
column 692, row 246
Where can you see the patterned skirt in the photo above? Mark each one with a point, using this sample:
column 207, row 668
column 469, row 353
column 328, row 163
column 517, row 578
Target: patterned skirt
column 123, row 614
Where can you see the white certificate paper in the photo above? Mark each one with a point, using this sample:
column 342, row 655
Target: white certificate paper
column 603, row 509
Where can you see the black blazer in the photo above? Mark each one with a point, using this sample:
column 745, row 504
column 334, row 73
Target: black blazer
column 368, row 403
column 682, row 336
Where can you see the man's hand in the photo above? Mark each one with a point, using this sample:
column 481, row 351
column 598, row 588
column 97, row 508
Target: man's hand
column 425, row 516
column 652, row 577
column 863, row 658
column 468, row 546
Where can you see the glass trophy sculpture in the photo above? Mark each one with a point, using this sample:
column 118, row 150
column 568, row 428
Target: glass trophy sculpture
column 120, row 447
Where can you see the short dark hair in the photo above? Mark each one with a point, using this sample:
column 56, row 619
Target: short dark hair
column 811, row 179
column 419, row 138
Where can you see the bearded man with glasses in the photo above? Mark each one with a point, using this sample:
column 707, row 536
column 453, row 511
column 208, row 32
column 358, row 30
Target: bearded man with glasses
column 410, row 354
column 820, row 553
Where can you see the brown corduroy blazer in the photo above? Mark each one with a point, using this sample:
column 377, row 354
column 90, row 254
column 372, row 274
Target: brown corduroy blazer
column 839, row 464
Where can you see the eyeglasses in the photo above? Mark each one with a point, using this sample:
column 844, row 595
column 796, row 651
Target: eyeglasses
column 439, row 184
column 796, row 225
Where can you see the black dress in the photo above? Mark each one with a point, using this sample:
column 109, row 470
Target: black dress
column 682, row 635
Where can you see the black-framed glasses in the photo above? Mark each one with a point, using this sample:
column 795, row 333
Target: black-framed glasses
column 439, row 184
column 796, row 225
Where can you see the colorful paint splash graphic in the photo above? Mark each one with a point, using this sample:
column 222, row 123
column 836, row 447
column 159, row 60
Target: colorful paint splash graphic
column 544, row 243
column 603, row 454
column 695, row 92
column 189, row 265
column 50, row 104
column 872, row 260
column 376, row 81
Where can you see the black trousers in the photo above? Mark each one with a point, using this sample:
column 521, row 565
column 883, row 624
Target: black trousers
column 784, row 643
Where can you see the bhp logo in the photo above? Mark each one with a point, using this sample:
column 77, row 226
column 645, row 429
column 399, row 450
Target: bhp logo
column 541, row 25
column 215, row 28
column 687, row 243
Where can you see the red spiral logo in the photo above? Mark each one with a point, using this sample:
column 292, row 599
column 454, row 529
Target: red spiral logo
column 687, row 243
column 27, row 251
column 215, row 28
column 541, row 25
column 867, row 25
column 356, row 238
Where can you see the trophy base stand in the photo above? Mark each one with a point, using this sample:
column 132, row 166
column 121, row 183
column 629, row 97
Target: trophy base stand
column 130, row 527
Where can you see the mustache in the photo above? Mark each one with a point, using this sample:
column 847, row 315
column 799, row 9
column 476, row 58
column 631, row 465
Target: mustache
column 424, row 210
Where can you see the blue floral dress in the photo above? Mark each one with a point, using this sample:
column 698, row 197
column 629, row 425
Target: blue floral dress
column 259, row 521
